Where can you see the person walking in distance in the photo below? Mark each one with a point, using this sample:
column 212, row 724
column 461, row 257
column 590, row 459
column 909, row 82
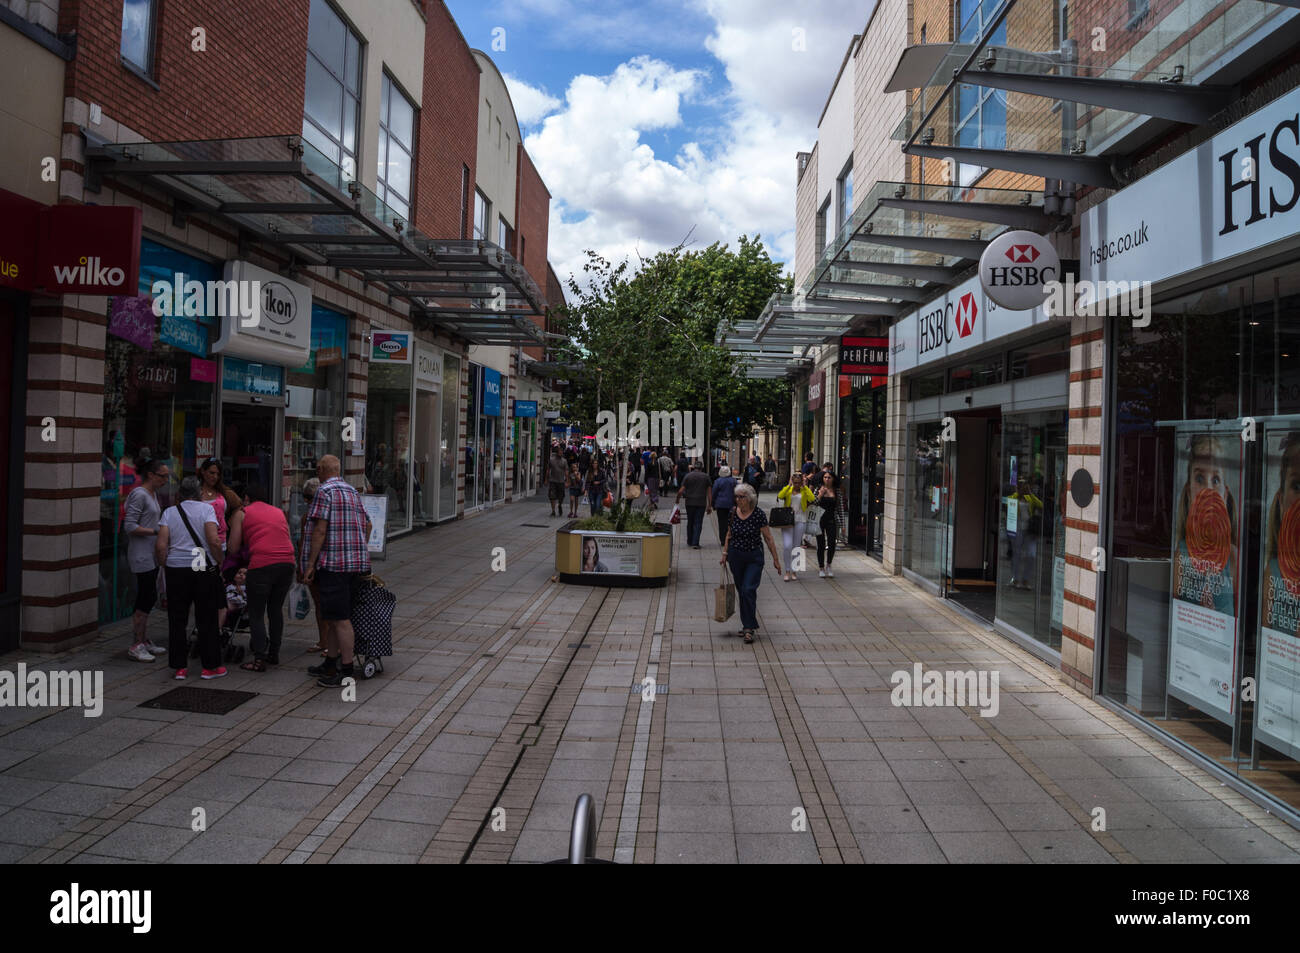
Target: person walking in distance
column 742, row 550
column 722, row 497
column 190, row 551
column 556, row 472
column 754, row 475
column 695, row 487
column 339, row 557
column 265, row 531
column 828, row 528
column 574, row 484
column 809, row 464
column 798, row 497
column 140, row 523
column 309, row 489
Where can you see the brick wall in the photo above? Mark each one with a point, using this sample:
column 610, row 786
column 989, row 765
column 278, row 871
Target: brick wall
column 448, row 127
column 254, row 66
column 532, row 224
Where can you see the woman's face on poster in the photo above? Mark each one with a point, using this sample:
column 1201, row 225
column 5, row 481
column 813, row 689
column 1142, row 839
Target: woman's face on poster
column 589, row 550
column 1208, row 475
column 1290, row 490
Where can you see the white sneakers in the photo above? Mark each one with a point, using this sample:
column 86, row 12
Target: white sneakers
column 825, row 573
column 829, row 574
column 821, row 573
column 140, row 652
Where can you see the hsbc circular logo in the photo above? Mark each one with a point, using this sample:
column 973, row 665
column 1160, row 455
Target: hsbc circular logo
column 1014, row 268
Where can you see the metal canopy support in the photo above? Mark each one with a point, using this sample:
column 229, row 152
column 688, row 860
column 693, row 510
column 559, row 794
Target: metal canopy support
column 1085, row 170
column 825, row 306
column 901, row 292
column 1177, row 101
column 935, row 273
column 956, row 247
column 1017, row 216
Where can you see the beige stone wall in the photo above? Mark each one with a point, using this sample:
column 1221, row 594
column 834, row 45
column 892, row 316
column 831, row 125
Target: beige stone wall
column 805, row 221
column 876, row 156
column 31, row 122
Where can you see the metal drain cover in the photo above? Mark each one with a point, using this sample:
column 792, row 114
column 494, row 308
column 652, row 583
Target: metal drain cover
column 204, row 701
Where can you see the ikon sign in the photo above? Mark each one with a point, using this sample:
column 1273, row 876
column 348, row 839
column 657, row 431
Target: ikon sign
column 1014, row 268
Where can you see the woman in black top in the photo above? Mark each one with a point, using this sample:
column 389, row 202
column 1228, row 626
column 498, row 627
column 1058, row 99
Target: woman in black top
column 742, row 550
column 829, row 528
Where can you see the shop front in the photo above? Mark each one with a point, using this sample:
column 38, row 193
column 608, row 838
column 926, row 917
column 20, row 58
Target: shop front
column 1200, row 637
column 863, row 379
column 391, row 399
column 527, row 450
column 485, row 447
column 313, row 407
column 986, row 397
column 814, row 414
column 433, row 466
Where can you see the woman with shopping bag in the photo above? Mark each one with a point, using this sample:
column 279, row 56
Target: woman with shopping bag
column 742, row 552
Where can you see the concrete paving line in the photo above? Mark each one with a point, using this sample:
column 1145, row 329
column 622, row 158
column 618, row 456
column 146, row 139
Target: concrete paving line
column 625, row 845
column 336, row 817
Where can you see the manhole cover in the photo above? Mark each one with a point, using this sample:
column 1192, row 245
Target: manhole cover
column 203, row 701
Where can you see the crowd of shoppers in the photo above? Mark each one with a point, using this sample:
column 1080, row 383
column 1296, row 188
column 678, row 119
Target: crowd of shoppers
column 224, row 550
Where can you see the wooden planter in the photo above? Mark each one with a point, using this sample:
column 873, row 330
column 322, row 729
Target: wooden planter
column 620, row 559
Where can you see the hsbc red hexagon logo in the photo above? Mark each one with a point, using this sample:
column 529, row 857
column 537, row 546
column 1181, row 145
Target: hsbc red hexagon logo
column 967, row 312
column 1022, row 254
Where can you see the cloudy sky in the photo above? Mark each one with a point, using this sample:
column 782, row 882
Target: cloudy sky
column 647, row 119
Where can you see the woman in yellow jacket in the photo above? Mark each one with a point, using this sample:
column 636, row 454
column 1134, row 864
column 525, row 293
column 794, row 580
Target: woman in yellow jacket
column 798, row 497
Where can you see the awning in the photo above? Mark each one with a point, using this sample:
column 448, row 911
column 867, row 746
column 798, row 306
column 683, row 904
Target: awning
column 1072, row 107
column 281, row 191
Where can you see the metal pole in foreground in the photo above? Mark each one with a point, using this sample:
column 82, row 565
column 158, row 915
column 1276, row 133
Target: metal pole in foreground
column 582, row 839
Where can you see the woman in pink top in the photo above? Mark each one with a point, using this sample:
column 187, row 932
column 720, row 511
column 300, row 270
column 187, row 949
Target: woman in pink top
column 264, row 530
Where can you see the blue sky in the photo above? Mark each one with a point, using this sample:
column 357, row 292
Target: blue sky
column 649, row 119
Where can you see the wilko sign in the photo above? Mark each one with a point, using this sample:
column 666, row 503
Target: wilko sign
column 1014, row 268
column 68, row 249
column 816, row 390
column 862, row 355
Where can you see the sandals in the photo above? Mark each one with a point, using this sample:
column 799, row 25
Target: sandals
column 254, row 665
column 749, row 636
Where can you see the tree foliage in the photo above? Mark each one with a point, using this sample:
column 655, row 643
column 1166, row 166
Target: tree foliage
column 646, row 337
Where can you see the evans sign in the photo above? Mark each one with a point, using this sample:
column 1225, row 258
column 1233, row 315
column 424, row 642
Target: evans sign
column 1015, row 266
column 280, row 330
column 1224, row 199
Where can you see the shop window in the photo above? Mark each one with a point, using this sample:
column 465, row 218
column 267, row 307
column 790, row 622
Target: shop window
column 450, row 426
column 979, row 373
column 979, row 112
column 1202, row 578
column 1044, row 357
column 314, row 405
column 388, row 440
column 396, row 148
column 138, row 27
column 332, row 107
column 929, row 385
column 844, row 197
column 481, row 210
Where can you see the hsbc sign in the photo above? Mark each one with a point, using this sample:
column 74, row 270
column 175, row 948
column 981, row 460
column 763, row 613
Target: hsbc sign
column 964, row 318
column 1015, row 266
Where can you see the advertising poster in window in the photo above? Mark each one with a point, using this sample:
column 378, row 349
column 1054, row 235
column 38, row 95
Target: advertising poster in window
column 620, row 555
column 1277, row 715
column 376, row 507
column 1203, row 608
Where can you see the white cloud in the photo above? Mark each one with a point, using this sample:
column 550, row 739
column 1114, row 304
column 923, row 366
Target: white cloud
column 531, row 103
column 614, row 194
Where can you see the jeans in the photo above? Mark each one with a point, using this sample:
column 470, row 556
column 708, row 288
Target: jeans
column 694, row 524
column 203, row 590
column 791, row 539
column 826, row 543
column 268, row 587
column 724, row 517
column 747, row 568
column 596, row 499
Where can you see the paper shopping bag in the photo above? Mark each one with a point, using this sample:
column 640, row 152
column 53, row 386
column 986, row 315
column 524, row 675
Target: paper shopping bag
column 677, row 515
column 724, row 598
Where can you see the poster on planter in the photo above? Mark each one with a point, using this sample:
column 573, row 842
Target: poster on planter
column 1277, row 714
column 1203, row 608
column 613, row 554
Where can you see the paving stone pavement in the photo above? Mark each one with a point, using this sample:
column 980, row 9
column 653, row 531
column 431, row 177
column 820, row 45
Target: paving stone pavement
column 510, row 694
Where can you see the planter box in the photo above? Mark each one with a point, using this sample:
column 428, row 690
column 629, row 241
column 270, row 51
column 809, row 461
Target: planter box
column 603, row 558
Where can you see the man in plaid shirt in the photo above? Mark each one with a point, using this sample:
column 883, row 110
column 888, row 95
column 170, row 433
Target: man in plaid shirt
column 339, row 556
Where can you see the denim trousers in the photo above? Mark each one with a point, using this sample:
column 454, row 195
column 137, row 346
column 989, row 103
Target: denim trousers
column 724, row 516
column 747, row 569
column 694, row 524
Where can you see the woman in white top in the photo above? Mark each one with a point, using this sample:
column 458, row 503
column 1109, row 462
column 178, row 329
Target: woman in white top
column 798, row 497
column 185, row 541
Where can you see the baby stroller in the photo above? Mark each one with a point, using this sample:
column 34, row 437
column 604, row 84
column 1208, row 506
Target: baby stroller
column 372, row 622
column 236, row 621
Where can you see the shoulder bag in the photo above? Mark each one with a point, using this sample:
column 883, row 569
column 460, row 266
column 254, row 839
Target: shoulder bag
column 781, row 516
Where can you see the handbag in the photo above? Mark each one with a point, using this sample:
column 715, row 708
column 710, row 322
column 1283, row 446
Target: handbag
column 299, row 601
column 724, row 597
column 633, row 491
column 781, row 516
column 608, row 500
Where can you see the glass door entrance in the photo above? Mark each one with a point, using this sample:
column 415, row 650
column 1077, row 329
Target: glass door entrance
column 250, row 446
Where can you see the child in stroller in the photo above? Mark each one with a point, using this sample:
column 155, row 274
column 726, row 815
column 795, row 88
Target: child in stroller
column 235, row 579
